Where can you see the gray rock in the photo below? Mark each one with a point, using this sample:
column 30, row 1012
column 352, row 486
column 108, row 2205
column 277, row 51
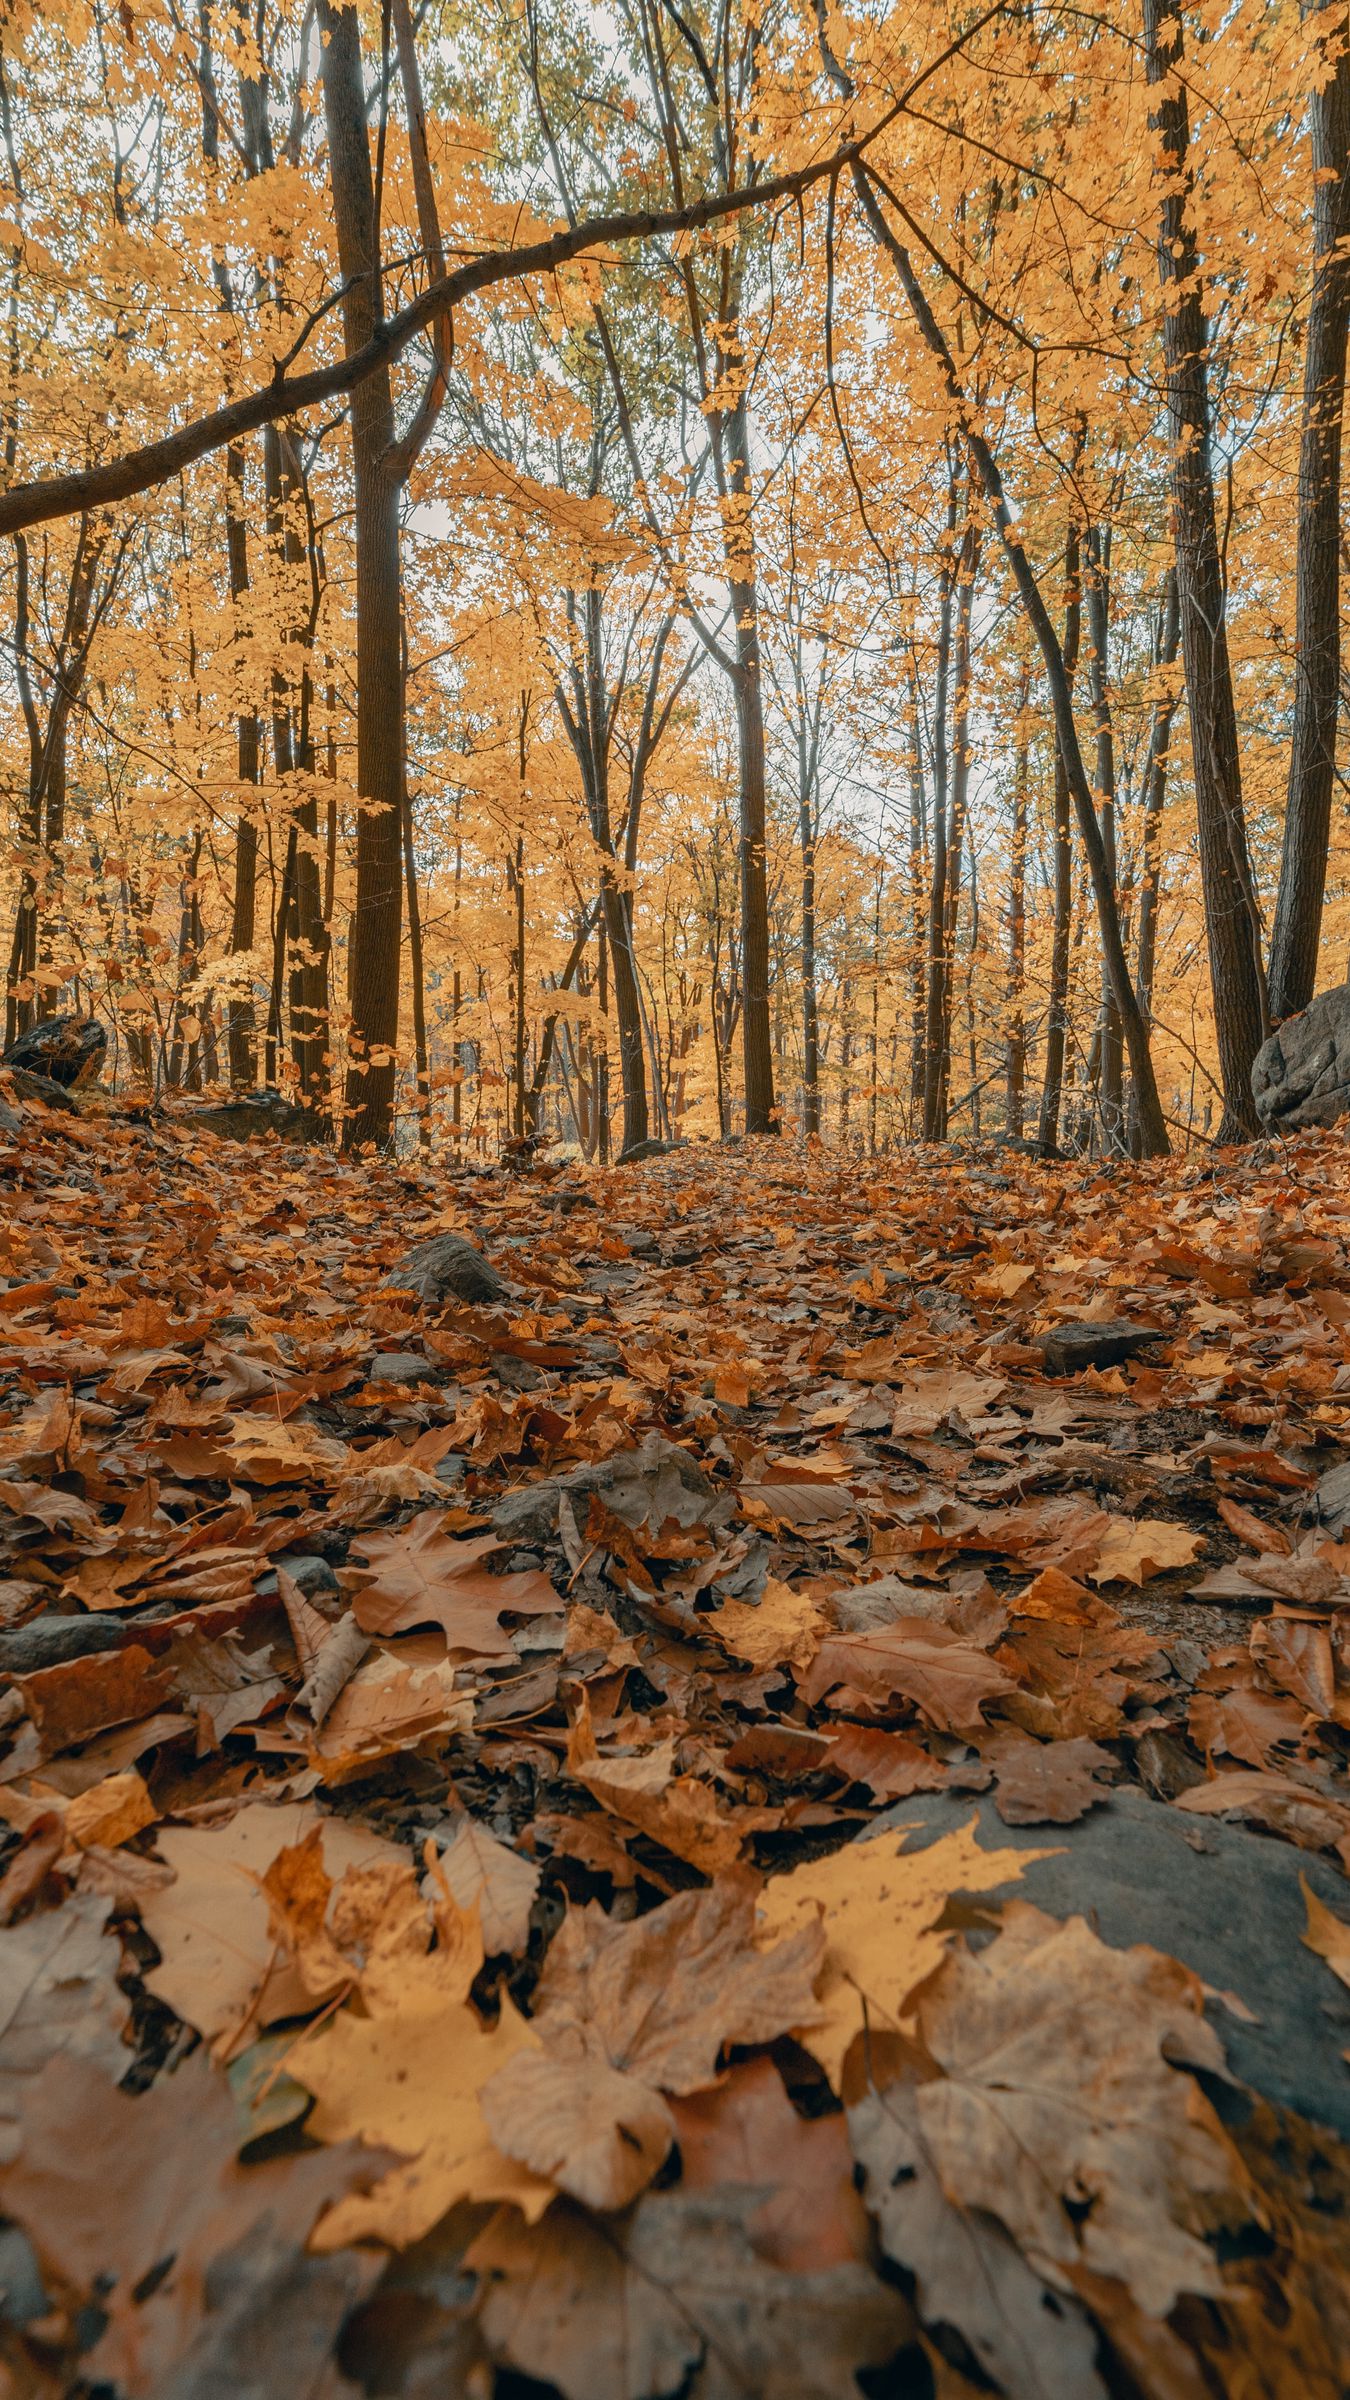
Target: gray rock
column 11, row 1123
column 1333, row 1499
column 27, row 1086
column 400, row 1366
column 1301, row 1076
column 640, row 1240
column 1233, row 1912
column 640, row 1150
column 50, row 1641
column 447, row 1267
column 642, row 1486
column 65, row 1050
column 1068, row 1349
column 313, row 1574
column 248, row 1115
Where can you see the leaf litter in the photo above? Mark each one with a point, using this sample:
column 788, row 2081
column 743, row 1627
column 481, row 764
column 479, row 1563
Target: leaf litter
column 446, row 1926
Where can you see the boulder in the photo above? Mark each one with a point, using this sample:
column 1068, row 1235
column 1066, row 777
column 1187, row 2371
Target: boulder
column 447, row 1267
column 27, row 1086
column 1302, row 1074
column 246, row 1115
column 1230, row 1907
column 65, row 1050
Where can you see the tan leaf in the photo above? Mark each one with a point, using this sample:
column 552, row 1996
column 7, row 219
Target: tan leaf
column 409, row 2081
column 484, row 1874
column 1137, row 1547
column 423, row 1575
column 878, row 1904
column 1062, row 2109
column 784, row 1630
column 111, row 1812
column 595, row 2133
column 947, row 1679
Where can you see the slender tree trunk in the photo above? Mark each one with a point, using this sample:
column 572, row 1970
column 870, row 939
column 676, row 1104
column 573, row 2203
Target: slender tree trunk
column 241, row 1025
column 1057, row 1005
column 1317, row 636
column 937, row 887
column 1110, row 1054
column 918, row 846
column 417, row 964
column 810, row 996
column 1154, row 793
column 1231, row 916
column 377, row 908
column 1017, row 924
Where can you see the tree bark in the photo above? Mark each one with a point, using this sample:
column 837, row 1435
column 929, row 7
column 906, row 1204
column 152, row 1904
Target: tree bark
column 1317, row 634
column 377, row 908
column 1232, row 920
column 1057, row 1005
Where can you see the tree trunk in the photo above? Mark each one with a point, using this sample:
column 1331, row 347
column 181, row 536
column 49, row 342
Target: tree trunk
column 1015, row 1086
column 1317, row 635
column 1110, row 1055
column 377, row 908
column 1154, row 793
column 242, row 1029
column 1057, row 1005
column 1231, row 917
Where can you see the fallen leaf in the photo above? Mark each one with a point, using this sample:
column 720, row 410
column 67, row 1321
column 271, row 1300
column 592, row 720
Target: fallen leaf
column 485, row 1875
column 1136, row 1548
column 947, row 1679
column 1063, row 2109
column 877, row 1904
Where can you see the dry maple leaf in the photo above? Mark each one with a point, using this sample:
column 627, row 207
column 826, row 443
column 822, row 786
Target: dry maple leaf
column 1063, row 2110
column 409, row 2080
column 796, row 2172
column 595, row 2133
column 662, row 1997
column 1134, row 1548
column 782, row 1630
column 878, row 1904
column 1033, row 2343
column 150, row 2265
column 219, row 1965
column 673, row 2298
column 485, row 1875
column 423, row 1575
column 947, row 1679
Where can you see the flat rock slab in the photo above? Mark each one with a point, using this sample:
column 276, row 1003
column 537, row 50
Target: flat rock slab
column 1232, row 1912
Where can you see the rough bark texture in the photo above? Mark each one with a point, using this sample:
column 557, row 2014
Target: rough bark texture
column 1317, row 636
column 1231, row 918
column 377, row 913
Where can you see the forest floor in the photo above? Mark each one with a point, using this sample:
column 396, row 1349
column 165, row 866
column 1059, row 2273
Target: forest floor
column 708, row 1826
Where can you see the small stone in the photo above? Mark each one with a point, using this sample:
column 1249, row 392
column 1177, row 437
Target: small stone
column 1333, row 1499
column 1068, row 1349
column 313, row 1574
column 642, row 1150
column 447, row 1267
column 399, row 1366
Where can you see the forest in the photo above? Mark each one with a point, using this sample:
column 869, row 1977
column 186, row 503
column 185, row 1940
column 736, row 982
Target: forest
column 587, row 575
column 674, row 1210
